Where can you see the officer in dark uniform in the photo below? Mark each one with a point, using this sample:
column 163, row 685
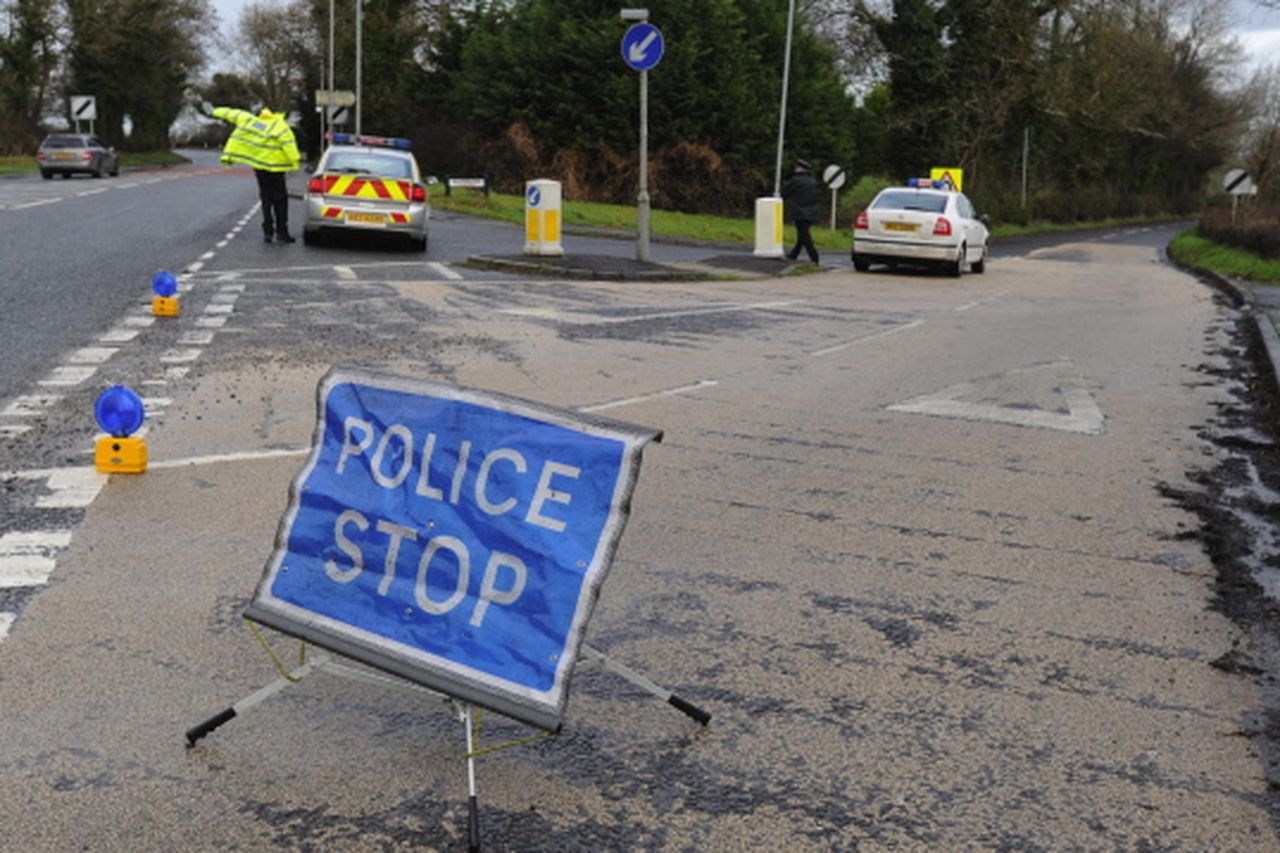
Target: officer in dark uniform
column 800, row 195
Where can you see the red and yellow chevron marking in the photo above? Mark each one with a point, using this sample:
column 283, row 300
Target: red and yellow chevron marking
column 332, row 212
column 375, row 188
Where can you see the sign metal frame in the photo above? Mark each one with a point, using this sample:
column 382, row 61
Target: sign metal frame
column 362, row 642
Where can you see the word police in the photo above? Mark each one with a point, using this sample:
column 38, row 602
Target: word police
column 499, row 487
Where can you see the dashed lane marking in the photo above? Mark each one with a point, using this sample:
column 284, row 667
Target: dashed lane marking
column 867, row 338
column 642, row 398
column 29, row 405
column 345, row 273
column 26, row 557
column 69, row 375
column 92, row 355
column 6, row 623
column 450, row 274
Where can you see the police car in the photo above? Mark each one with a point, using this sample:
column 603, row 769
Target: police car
column 925, row 223
column 364, row 185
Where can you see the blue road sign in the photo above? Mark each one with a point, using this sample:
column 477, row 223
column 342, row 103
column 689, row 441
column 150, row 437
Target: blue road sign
column 453, row 537
column 535, row 196
column 642, row 46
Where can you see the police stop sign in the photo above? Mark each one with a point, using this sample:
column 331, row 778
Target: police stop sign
column 453, row 537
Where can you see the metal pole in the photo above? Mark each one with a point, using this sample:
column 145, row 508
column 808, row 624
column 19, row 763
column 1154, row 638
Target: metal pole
column 359, row 58
column 332, row 83
column 642, row 205
column 1026, row 146
column 833, row 209
column 473, row 806
column 782, row 112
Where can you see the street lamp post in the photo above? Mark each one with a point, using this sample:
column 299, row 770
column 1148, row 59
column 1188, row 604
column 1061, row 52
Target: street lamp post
column 360, row 57
column 782, row 112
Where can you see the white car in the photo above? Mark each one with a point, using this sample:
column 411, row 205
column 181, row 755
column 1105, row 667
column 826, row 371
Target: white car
column 924, row 223
column 365, row 185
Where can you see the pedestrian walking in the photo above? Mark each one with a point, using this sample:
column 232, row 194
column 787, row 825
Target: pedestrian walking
column 800, row 195
column 265, row 143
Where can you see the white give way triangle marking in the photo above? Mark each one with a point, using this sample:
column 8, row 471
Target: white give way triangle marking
column 1017, row 398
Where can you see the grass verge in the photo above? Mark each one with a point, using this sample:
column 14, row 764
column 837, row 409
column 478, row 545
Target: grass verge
column 27, row 165
column 690, row 226
column 1192, row 250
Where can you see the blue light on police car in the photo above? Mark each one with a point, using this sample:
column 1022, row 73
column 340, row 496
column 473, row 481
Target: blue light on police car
column 119, row 411
column 164, row 284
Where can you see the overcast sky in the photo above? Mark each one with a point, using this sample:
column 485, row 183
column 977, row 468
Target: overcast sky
column 1258, row 30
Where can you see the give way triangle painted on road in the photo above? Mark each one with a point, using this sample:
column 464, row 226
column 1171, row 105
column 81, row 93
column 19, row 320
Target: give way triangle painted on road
column 1043, row 396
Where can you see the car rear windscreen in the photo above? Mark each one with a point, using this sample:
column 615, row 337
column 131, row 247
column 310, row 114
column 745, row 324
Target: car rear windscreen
column 63, row 142
column 359, row 162
column 909, row 200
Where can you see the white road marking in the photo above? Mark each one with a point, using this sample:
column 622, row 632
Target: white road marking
column 345, row 273
column 26, row 557
column 207, row 256
column 28, row 405
column 452, row 275
column 176, row 372
column 1084, row 415
column 195, row 338
column 221, row 298
column 92, row 355
column 141, row 321
column 13, row 430
column 118, row 336
column 243, row 456
column 67, row 376
column 195, row 267
column 230, row 288
column 215, row 308
column 221, row 244
column 6, row 623
column 872, row 337
column 72, row 488
column 211, row 322
column 35, row 203
column 179, row 356
column 683, row 389
column 983, row 301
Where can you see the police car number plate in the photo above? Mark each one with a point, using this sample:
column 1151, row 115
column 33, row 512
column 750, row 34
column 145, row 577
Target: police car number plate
column 366, row 218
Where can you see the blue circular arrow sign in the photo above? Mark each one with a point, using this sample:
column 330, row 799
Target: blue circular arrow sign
column 535, row 196
column 642, row 46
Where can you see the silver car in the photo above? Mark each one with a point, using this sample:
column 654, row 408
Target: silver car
column 70, row 153
column 367, row 185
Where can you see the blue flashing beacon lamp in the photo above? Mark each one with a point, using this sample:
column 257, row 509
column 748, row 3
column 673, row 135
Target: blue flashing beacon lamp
column 120, row 412
column 164, row 303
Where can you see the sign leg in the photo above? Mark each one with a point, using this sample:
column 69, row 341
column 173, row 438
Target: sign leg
column 685, row 707
column 257, row 697
column 473, row 806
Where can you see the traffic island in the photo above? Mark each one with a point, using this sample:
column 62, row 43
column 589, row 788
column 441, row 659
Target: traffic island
column 615, row 268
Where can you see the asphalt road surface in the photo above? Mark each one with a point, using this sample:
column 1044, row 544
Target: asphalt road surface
column 909, row 539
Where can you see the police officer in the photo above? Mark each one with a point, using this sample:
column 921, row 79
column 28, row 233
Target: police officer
column 800, row 194
column 265, row 143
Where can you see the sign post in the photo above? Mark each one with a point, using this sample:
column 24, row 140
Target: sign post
column 834, row 177
column 642, row 48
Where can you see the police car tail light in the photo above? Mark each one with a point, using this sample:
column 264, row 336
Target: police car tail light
column 315, row 185
column 942, row 228
column 419, row 193
column 861, row 223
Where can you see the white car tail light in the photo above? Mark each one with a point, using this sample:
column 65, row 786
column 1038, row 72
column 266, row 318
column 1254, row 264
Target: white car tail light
column 942, row 228
column 861, row 223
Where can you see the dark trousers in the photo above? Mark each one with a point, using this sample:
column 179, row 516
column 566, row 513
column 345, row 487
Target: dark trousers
column 804, row 240
column 275, row 202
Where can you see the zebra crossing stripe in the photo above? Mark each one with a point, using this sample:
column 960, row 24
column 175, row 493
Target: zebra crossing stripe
column 26, row 557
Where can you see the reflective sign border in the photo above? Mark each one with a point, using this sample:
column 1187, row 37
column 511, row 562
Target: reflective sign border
column 462, row 683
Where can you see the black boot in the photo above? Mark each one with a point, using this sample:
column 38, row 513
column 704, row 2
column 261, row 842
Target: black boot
column 285, row 237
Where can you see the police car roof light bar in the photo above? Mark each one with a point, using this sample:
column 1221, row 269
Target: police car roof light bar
column 376, row 141
column 926, row 183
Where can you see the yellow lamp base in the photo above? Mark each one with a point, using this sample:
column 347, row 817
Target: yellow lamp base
column 113, row 455
column 165, row 306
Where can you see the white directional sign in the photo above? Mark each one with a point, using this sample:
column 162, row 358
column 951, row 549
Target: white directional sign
column 1238, row 182
column 642, row 46
column 84, row 108
column 341, row 98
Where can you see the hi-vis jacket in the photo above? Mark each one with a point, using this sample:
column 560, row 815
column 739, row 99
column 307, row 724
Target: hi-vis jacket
column 263, row 141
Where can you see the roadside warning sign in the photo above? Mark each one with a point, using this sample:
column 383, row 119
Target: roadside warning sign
column 950, row 175
column 452, row 537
